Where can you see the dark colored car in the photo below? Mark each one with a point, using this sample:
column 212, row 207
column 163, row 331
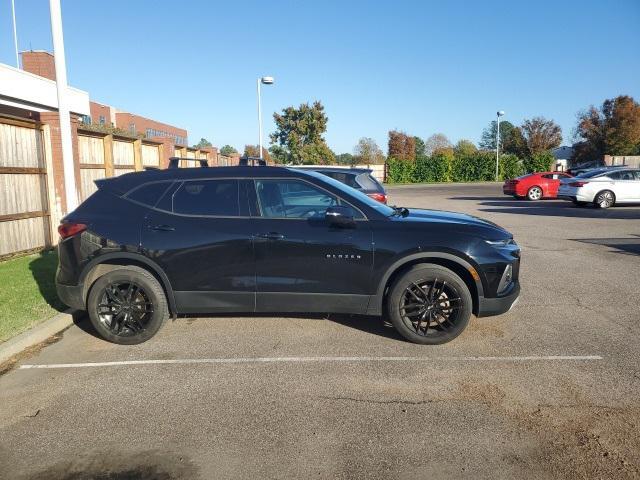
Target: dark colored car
column 535, row 186
column 358, row 178
column 154, row 244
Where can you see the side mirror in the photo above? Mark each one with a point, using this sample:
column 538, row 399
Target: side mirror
column 339, row 216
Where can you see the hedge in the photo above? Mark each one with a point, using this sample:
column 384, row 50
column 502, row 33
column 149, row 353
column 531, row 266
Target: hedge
column 473, row 167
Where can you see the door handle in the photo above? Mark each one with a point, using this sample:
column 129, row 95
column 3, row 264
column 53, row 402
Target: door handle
column 161, row 228
column 271, row 236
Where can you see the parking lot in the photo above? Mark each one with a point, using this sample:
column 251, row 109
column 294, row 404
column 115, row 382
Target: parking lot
column 549, row 390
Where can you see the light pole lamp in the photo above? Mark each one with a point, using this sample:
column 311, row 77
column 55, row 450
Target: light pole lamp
column 266, row 81
column 499, row 114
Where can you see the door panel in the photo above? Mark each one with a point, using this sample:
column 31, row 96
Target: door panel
column 303, row 262
column 208, row 259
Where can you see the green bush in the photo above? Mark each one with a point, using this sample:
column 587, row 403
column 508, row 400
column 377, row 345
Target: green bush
column 400, row 171
column 448, row 167
column 510, row 167
column 539, row 162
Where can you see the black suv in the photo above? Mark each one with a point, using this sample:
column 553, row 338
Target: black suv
column 154, row 244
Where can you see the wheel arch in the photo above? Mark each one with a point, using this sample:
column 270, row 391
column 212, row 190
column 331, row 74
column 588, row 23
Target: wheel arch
column 110, row 261
column 459, row 266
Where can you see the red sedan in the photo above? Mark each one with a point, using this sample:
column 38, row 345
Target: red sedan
column 535, row 186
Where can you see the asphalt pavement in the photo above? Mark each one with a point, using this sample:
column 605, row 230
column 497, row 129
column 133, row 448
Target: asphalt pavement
column 548, row 390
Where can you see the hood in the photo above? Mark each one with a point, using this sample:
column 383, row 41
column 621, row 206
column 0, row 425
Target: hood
column 453, row 218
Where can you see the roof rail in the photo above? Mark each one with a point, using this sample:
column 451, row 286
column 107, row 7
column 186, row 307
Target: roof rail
column 174, row 162
column 253, row 161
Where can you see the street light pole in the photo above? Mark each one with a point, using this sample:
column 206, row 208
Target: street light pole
column 499, row 114
column 266, row 81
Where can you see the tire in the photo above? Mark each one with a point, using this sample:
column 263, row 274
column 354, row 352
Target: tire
column 534, row 193
column 604, row 199
column 134, row 299
column 447, row 318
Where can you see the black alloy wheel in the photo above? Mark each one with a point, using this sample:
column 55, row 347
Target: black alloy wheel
column 125, row 308
column 127, row 305
column 429, row 304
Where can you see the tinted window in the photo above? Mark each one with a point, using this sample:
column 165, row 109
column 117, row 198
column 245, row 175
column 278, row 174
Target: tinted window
column 369, row 183
column 207, row 197
column 150, row 193
column 346, row 178
column 295, row 199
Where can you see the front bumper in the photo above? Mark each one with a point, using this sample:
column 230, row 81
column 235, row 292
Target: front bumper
column 488, row 307
column 71, row 295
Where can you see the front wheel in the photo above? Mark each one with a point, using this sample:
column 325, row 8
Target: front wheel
column 127, row 305
column 605, row 199
column 534, row 193
column 429, row 304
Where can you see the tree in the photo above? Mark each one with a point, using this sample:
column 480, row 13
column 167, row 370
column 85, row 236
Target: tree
column 540, row 135
column 367, row 151
column 203, row 143
column 228, row 150
column 300, row 133
column 488, row 139
column 420, row 147
column 345, row 159
column 465, row 148
column 252, row 151
column 613, row 129
column 437, row 143
column 279, row 154
column 401, row 146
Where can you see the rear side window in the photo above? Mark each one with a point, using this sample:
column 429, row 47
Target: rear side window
column 149, row 194
column 207, row 197
column 369, row 183
column 346, row 178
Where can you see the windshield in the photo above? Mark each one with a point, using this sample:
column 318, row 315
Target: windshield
column 380, row 207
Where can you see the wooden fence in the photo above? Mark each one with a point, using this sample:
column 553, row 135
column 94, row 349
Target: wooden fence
column 104, row 156
column 24, row 187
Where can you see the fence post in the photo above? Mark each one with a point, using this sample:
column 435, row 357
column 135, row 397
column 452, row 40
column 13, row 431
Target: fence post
column 137, row 155
column 108, row 155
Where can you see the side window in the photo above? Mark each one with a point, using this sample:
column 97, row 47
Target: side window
column 294, row 199
column 614, row 175
column 548, row 175
column 628, row 175
column 207, row 197
column 637, row 173
column 150, row 193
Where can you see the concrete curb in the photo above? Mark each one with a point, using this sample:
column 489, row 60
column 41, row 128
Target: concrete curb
column 37, row 334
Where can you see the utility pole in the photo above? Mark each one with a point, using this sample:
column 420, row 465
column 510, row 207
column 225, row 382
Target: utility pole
column 499, row 114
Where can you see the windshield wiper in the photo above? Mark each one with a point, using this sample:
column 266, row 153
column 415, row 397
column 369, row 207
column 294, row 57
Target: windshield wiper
column 401, row 211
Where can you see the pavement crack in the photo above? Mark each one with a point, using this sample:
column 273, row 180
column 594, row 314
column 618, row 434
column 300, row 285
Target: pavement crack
column 382, row 402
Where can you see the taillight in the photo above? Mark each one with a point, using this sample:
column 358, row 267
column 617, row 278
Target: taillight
column 578, row 184
column 379, row 197
column 67, row 230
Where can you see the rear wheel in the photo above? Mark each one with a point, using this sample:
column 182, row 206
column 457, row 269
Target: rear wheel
column 429, row 304
column 534, row 193
column 127, row 305
column 605, row 199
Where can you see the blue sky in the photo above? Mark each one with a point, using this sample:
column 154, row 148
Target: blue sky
column 418, row 66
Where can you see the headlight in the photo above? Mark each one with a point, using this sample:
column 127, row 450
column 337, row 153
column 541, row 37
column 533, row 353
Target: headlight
column 501, row 243
column 507, row 278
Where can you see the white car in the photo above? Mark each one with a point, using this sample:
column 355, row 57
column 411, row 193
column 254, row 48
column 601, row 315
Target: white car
column 604, row 188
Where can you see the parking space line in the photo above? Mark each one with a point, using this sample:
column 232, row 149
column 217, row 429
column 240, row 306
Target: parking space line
column 240, row 360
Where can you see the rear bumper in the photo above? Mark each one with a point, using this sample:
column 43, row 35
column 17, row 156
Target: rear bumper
column 71, row 295
column 488, row 307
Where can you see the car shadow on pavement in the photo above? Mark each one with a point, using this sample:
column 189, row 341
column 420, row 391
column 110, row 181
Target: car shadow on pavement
column 556, row 210
column 365, row 323
column 626, row 246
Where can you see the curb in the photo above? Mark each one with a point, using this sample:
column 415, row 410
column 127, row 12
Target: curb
column 427, row 184
column 35, row 335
